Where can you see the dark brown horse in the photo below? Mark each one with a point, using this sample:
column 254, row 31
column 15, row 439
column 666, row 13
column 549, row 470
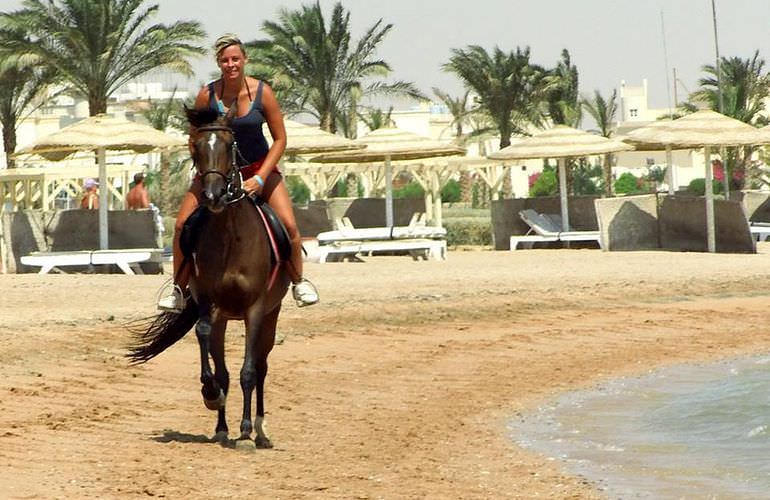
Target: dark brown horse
column 230, row 261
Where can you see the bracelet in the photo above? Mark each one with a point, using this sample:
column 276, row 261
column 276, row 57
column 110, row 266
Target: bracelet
column 260, row 180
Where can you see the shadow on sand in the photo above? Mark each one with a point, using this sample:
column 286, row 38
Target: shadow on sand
column 170, row 436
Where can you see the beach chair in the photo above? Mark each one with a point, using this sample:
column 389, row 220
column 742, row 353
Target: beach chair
column 760, row 230
column 127, row 260
column 546, row 228
column 416, row 239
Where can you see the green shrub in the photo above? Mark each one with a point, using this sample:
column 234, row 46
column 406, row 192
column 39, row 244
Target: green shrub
column 698, row 186
column 298, row 191
column 469, row 231
column 411, row 190
column 545, row 185
column 627, row 183
column 450, row 193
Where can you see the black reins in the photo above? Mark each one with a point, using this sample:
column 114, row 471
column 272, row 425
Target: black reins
column 233, row 178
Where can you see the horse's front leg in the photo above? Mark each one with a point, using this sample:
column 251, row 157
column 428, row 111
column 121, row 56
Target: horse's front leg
column 221, row 375
column 213, row 395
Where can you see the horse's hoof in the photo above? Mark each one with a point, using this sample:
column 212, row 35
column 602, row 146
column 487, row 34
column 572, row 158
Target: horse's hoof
column 263, row 443
column 220, row 437
column 216, row 404
column 245, row 445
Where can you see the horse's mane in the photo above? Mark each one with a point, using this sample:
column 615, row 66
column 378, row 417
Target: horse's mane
column 204, row 116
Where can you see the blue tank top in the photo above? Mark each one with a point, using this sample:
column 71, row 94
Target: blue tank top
column 247, row 128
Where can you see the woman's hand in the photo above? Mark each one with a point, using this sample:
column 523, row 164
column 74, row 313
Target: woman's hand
column 252, row 186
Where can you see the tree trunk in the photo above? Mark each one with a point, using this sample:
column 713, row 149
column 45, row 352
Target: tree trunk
column 164, row 203
column 466, row 187
column 9, row 143
column 608, row 174
column 97, row 105
column 327, row 122
column 351, row 185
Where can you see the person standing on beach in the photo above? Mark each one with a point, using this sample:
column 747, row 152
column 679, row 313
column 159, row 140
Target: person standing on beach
column 255, row 104
column 137, row 197
column 90, row 200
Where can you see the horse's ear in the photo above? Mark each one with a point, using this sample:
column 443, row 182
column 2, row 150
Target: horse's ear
column 232, row 114
column 194, row 117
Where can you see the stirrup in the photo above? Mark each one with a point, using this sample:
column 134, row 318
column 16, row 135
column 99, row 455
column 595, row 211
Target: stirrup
column 173, row 302
column 305, row 293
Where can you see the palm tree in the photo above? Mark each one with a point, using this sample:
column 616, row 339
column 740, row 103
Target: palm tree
column 376, row 118
column 563, row 98
column 510, row 89
column 162, row 115
column 744, row 88
column 99, row 45
column 320, row 69
column 458, row 108
column 603, row 112
column 23, row 89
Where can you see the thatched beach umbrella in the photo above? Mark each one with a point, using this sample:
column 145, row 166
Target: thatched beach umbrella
column 304, row 139
column 101, row 133
column 560, row 142
column 703, row 129
column 390, row 144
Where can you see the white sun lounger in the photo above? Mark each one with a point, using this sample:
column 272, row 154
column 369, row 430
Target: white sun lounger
column 426, row 249
column 760, row 230
column 547, row 228
column 416, row 239
column 127, row 260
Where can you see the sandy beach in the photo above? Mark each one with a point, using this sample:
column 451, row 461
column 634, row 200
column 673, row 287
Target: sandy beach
column 400, row 384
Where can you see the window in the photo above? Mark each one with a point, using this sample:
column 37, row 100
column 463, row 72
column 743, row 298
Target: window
column 633, row 113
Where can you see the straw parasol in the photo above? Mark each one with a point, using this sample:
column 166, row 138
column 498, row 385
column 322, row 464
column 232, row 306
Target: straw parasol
column 303, row 139
column 703, row 129
column 560, row 142
column 101, row 133
column 390, row 144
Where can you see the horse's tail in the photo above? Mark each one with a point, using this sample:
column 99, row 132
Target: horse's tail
column 158, row 333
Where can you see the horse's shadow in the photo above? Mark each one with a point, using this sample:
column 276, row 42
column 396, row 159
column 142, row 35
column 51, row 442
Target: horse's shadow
column 170, row 436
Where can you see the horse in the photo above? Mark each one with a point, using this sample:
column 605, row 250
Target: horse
column 234, row 276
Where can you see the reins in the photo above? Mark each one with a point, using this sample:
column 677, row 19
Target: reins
column 233, row 178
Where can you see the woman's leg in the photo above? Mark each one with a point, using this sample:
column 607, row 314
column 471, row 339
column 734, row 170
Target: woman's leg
column 188, row 206
column 175, row 301
column 277, row 196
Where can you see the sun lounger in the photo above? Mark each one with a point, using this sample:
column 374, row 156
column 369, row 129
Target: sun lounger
column 418, row 248
column 127, row 260
column 760, row 230
column 417, row 239
column 347, row 232
column 546, row 228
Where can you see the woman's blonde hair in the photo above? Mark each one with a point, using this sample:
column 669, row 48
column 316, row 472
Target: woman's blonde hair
column 225, row 41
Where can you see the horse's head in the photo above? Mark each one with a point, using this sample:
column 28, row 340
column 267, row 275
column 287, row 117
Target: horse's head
column 213, row 154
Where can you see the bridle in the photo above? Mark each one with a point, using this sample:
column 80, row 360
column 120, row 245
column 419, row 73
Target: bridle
column 233, row 180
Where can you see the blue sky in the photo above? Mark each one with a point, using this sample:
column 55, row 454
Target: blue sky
column 609, row 40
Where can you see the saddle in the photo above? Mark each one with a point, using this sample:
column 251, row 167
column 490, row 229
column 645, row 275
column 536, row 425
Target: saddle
column 280, row 244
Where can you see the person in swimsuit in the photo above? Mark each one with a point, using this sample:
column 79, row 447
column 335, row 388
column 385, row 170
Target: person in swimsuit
column 255, row 104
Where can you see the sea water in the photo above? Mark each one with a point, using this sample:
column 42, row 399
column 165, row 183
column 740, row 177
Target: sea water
column 681, row 432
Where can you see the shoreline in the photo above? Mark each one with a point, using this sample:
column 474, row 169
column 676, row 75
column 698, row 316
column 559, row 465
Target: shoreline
column 400, row 384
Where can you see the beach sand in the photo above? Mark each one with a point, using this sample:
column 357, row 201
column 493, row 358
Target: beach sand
column 400, row 384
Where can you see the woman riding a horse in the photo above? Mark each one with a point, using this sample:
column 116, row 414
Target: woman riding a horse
column 253, row 103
